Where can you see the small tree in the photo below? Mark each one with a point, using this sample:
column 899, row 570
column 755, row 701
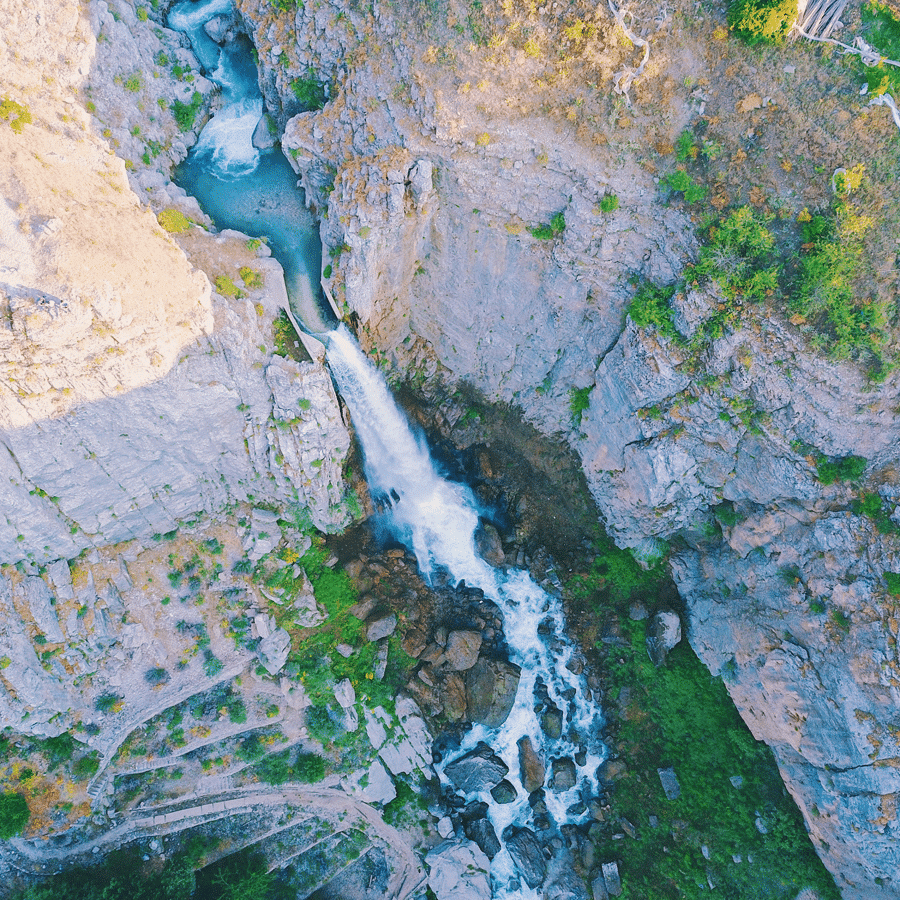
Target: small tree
column 14, row 815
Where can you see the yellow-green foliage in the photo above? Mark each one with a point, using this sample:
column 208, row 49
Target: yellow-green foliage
column 762, row 21
column 16, row 114
column 251, row 277
column 173, row 221
column 226, row 287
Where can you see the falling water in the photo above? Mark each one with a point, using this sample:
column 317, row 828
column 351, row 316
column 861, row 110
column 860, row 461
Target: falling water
column 437, row 519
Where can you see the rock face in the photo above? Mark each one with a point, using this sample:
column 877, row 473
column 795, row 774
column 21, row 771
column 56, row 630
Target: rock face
column 458, row 872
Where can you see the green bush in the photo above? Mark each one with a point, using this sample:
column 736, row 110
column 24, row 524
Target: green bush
column 309, row 91
column 16, row 114
column 227, row 288
column 174, row 221
column 58, row 749
column 883, row 32
column 133, row 83
column 579, row 401
column 108, row 703
column 892, row 580
column 551, row 230
column 843, row 468
column 651, row 307
column 251, row 278
column 762, row 21
column 609, row 203
column 186, row 113
column 14, row 815
column 86, row 766
column 680, row 182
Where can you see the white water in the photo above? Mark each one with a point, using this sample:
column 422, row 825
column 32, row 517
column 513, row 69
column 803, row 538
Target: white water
column 227, row 139
column 437, row 519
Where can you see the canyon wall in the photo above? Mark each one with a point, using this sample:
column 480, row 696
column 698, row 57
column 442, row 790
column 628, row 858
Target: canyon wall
column 713, row 450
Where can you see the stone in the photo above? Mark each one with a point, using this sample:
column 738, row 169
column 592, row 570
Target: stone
column 504, row 793
column 381, row 660
column 310, row 612
column 488, row 545
column 564, row 775
column 61, row 577
column 491, row 691
column 453, row 697
column 526, row 852
column 344, row 693
column 458, row 871
column 551, row 723
column 37, row 596
column 273, row 650
column 378, row 788
column 445, row 827
column 217, row 27
column 531, row 766
column 612, row 769
column 413, row 642
column 478, row 770
column 265, row 133
column 670, row 785
column 381, row 628
column 461, row 651
column 611, row 877
column 664, row 634
column 482, row 832
column 598, row 888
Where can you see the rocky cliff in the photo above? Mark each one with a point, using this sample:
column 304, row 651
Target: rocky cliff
column 714, row 449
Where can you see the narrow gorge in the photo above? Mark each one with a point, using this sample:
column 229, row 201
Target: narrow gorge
column 632, row 275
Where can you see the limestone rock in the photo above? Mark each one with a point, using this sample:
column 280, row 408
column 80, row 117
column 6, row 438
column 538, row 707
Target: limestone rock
column 37, row 596
column 458, row 871
column 381, row 628
column 273, row 650
column 531, row 765
column 664, row 634
column 526, row 852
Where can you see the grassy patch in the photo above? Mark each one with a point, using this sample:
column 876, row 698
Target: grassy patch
column 882, row 30
column 553, row 229
column 186, row 113
column 17, row 114
column 762, row 21
column 174, row 221
column 651, row 307
column 309, row 91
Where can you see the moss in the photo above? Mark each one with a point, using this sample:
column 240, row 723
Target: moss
column 174, row 221
column 17, row 114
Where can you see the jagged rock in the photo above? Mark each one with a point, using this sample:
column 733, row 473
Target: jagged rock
column 458, row 872
column 217, row 27
column 413, row 642
column 479, row 770
column 491, row 691
column 669, row 782
column 61, row 577
column 531, row 766
column 526, row 852
column 445, row 827
column 265, row 133
column 381, row 660
column 598, row 888
column 381, row 628
column 363, row 608
column 482, row 832
column 461, row 651
column 264, row 535
column 664, row 634
column 611, row 877
column 309, row 611
column 273, row 650
column 37, row 596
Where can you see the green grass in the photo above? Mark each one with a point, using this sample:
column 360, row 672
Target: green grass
column 882, row 30
column 579, row 401
column 227, row 288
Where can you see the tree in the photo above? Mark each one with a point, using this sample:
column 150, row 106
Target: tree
column 14, row 815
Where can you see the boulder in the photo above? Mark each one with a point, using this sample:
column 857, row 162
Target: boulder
column 461, row 652
column 454, row 697
column 479, row 770
column 551, row 722
column 525, row 850
column 504, row 792
column 381, row 628
column 40, row 603
column 491, row 687
column 482, row 832
column 611, row 877
column 564, row 775
column 664, row 634
column 669, row 783
column 273, row 650
column 531, row 767
column 264, row 133
column 488, row 545
column 217, row 27
column 458, row 872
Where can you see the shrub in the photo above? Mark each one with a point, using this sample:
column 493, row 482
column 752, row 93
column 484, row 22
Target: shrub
column 174, row 221
column 227, row 288
column 651, row 306
column 554, row 228
column 186, row 113
column 609, row 203
column 251, row 277
column 309, row 91
column 14, row 815
column 579, row 401
column 309, row 768
column 59, row 749
column 133, row 83
column 16, row 114
column 892, row 580
column 86, row 766
column 156, row 677
column 762, row 21
column 109, row 703
column 843, row 468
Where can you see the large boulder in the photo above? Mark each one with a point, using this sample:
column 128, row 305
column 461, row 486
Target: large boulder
column 461, row 652
column 274, row 650
column 479, row 770
column 458, row 872
column 664, row 634
column 491, row 686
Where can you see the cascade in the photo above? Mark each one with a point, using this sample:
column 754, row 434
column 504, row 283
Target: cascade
column 437, row 519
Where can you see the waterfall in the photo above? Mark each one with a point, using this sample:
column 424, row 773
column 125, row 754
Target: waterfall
column 437, row 520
